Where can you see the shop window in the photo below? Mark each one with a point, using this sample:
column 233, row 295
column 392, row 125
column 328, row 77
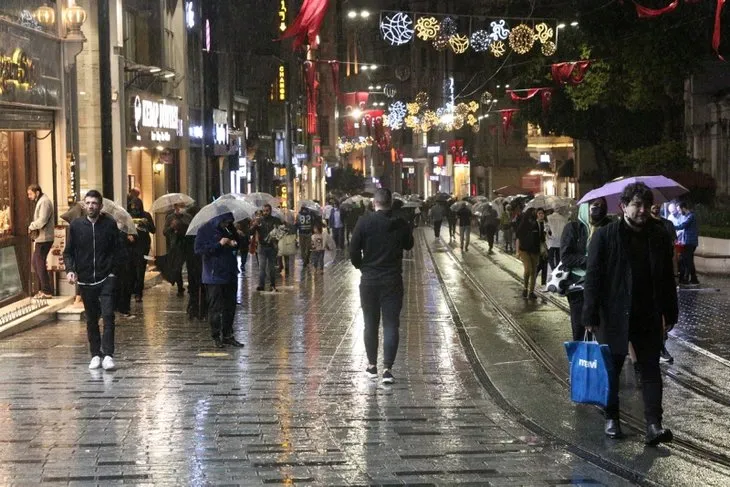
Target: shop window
column 25, row 13
column 6, row 197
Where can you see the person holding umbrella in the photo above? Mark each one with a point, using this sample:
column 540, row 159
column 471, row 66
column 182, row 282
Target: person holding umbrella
column 216, row 243
column 176, row 225
column 145, row 226
column 267, row 247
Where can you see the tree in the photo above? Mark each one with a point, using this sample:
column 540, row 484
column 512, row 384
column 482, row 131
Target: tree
column 346, row 180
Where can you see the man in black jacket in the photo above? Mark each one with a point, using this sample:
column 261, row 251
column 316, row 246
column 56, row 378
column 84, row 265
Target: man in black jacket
column 93, row 258
column 573, row 251
column 630, row 295
column 376, row 248
column 268, row 247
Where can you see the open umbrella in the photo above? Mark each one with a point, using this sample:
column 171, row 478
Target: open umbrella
column 442, row 197
column 261, row 199
column 167, row 202
column 311, row 205
column 124, row 220
column 664, row 189
column 460, row 204
column 509, row 190
column 481, row 208
column 240, row 209
column 550, row 202
column 76, row 211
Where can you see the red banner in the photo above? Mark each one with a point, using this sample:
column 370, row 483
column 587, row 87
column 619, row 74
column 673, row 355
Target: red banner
column 571, row 73
column 530, row 93
column 645, row 12
column 308, row 22
column 507, row 115
column 718, row 28
column 312, row 96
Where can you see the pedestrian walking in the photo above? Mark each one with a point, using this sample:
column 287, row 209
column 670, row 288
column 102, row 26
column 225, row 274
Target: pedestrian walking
column 528, row 248
column 145, row 226
column 176, row 225
column 573, row 255
column 243, row 237
column 451, row 218
column 267, row 245
column 93, row 257
column 668, row 226
column 336, row 224
column 41, row 231
column 319, row 244
column 505, row 222
column 556, row 223
column 126, row 277
column 377, row 246
column 630, row 295
column 690, row 240
column 304, row 225
column 197, row 297
column 464, row 215
column 216, row 243
column 491, row 223
column 542, row 261
column 437, row 216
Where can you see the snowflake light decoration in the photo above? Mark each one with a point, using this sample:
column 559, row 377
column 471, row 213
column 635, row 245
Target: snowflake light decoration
column 412, row 121
column 549, row 48
column 459, row 43
column 427, row 28
column 398, row 109
column 480, row 40
column 425, row 126
column 413, row 108
column 441, row 43
column 473, row 106
column 430, row 117
column 521, row 39
column 397, row 29
column 500, row 31
column 422, row 98
column 440, row 112
column 486, row 97
column 544, row 32
column 448, row 26
column 497, row 48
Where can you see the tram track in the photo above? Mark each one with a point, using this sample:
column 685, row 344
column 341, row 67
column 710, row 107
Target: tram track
column 687, row 446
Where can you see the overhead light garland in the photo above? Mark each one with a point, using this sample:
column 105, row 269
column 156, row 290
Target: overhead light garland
column 448, row 118
column 459, row 44
column 397, row 29
column 480, row 40
column 427, row 28
column 521, row 39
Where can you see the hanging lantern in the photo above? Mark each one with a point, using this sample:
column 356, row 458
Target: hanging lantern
column 45, row 15
column 74, row 16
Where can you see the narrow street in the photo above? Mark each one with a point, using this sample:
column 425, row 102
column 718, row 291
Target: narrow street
column 294, row 405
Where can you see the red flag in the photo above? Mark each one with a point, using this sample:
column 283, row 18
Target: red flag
column 308, row 22
column 718, row 27
column 530, row 93
column 571, row 73
column 507, row 121
column 645, row 12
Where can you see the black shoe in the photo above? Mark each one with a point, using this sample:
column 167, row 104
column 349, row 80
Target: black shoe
column 259, row 288
column 218, row 343
column 655, row 434
column 372, row 372
column 694, row 282
column 665, row 357
column 533, row 296
column 613, row 429
column 233, row 342
column 524, row 293
column 388, row 377
column 466, row 249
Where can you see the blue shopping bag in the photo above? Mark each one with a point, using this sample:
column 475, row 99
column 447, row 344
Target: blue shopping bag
column 591, row 367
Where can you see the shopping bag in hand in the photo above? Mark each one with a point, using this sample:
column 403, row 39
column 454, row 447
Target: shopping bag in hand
column 591, row 367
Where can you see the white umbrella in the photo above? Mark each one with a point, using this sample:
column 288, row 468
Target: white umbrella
column 309, row 204
column 550, row 202
column 124, row 220
column 261, row 199
column 459, row 205
column 240, row 210
column 412, row 204
column 167, row 202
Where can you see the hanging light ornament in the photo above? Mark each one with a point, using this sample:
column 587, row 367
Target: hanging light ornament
column 422, row 98
column 347, row 147
column 461, row 109
column 458, row 122
column 390, row 90
column 480, row 40
column 549, row 48
column 413, row 108
column 427, row 28
column 411, row 121
column 448, row 27
column 497, row 48
column 475, row 128
column 500, row 31
column 521, row 39
column 397, row 29
column 544, row 32
column 441, row 42
column 459, row 43
column 486, row 98
column 430, row 117
column 473, row 106
column 471, row 120
column 425, row 126
column 403, row 73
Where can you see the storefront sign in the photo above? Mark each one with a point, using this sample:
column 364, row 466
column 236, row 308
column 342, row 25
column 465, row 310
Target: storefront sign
column 219, row 132
column 155, row 122
column 281, row 82
column 189, row 15
column 17, row 70
column 282, row 15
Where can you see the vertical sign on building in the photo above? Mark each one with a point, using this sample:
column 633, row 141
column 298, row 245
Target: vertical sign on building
column 282, row 15
column 281, row 75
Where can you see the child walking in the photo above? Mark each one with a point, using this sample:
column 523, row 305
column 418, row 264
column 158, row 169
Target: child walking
column 319, row 245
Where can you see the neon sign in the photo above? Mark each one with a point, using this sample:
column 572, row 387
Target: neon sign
column 282, row 15
column 281, row 81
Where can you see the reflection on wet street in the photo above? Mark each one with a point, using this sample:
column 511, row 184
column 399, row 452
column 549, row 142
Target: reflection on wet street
column 293, row 406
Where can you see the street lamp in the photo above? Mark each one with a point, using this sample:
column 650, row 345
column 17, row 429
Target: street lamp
column 45, row 15
column 73, row 18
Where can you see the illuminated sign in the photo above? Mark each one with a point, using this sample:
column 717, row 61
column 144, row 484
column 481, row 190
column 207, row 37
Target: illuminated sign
column 433, row 149
column 195, row 132
column 155, row 120
column 189, row 15
column 281, row 82
column 435, row 178
column 220, row 134
column 17, row 70
column 284, row 196
column 282, row 15
column 207, row 36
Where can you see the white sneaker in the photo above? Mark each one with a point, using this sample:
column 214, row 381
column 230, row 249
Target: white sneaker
column 95, row 362
column 108, row 363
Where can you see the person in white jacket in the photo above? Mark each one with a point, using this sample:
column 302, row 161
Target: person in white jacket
column 555, row 225
column 41, row 230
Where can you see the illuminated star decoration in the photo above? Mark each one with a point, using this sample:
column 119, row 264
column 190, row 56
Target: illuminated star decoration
column 427, row 28
column 521, row 39
column 397, row 29
column 459, row 43
column 499, row 30
column 448, row 27
column 497, row 48
column 480, row 40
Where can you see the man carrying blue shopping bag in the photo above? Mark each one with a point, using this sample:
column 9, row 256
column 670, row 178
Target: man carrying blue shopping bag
column 591, row 369
column 630, row 296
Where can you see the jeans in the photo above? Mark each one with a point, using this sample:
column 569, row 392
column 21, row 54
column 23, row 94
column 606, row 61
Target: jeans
column 305, row 247
column 437, row 228
column 221, row 309
column 529, row 264
column 647, row 344
column 385, row 298
column 575, row 301
column 687, row 271
column 318, row 259
column 99, row 301
column 267, row 260
column 553, row 257
column 465, row 235
column 39, row 266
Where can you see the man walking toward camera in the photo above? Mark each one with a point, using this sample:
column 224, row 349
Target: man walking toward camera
column 41, row 231
column 93, row 257
column 630, row 296
column 376, row 248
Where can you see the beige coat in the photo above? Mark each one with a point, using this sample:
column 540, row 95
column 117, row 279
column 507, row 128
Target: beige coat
column 43, row 219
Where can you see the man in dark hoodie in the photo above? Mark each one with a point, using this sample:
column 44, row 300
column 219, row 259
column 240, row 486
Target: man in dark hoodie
column 93, row 258
column 145, row 226
column 216, row 243
column 376, row 248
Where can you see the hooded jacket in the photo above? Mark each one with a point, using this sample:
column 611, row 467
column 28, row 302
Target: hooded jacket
column 574, row 241
column 94, row 250
column 219, row 263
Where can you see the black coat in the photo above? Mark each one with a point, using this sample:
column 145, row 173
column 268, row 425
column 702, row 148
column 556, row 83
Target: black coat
column 574, row 243
column 377, row 245
column 608, row 283
column 94, row 250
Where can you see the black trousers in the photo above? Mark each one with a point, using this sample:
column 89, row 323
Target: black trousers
column 575, row 301
column 490, row 231
column 305, row 247
column 99, row 302
column 140, row 267
column 221, row 308
column 452, row 229
column 542, row 265
column 38, row 262
column 647, row 341
column 687, row 271
column 385, row 299
column 437, row 228
column 553, row 257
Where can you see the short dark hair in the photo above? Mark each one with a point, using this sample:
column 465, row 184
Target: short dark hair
column 35, row 187
column 92, row 193
column 383, row 197
column 267, row 205
column 640, row 190
column 683, row 205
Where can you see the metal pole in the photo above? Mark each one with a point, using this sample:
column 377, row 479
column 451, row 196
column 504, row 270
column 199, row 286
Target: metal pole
column 288, row 154
column 105, row 89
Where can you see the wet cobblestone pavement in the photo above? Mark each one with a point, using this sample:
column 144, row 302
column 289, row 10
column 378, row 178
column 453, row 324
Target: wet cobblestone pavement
column 704, row 314
column 292, row 407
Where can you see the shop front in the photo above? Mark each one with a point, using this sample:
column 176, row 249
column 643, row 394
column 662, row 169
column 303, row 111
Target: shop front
column 31, row 100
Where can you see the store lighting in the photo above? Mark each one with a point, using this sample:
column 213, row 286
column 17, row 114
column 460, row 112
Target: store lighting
column 45, row 15
column 155, row 69
column 356, row 113
column 364, row 14
column 351, row 14
column 561, row 25
column 373, row 67
column 378, row 87
column 160, row 148
column 371, row 87
column 506, row 86
column 364, row 67
column 169, row 75
column 158, row 167
column 574, row 23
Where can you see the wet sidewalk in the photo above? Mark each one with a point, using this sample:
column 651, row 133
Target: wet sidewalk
column 292, row 407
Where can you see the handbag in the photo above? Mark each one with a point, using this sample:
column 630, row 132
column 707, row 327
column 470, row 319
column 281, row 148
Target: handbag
column 591, row 368
column 564, row 281
column 288, row 245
